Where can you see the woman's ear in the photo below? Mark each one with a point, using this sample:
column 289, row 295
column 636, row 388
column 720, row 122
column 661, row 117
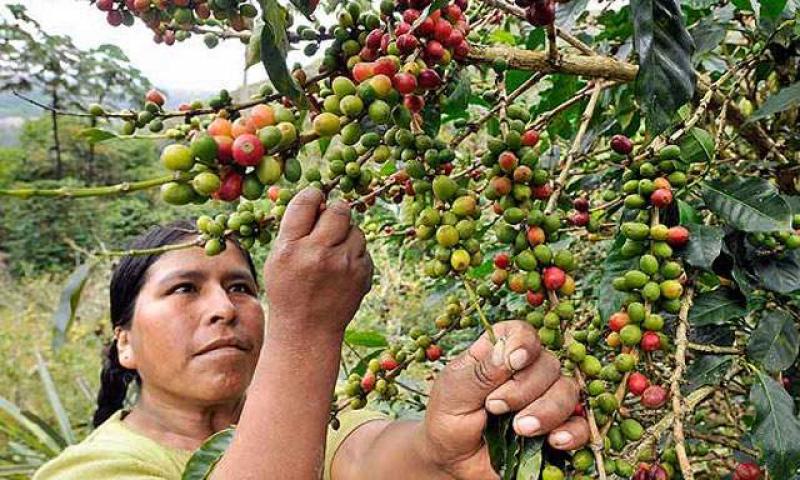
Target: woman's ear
column 124, row 348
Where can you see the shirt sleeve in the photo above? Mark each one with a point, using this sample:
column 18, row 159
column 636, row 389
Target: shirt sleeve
column 348, row 423
column 81, row 463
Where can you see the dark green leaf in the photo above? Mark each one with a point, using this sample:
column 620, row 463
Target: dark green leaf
column 771, row 9
column 779, row 273
column 97, row 135
column 749, row 204
column 252, row 55
column 776, row 430
column 458, row 100
column 515, row 78
column 666, row 77
column 365, row 338
column 306, row 7
column 785, row 99
column 274, row 46
column 704, row 245
column 609, row 300
column 530, row 458
column 361, row 366
column 717, row 307
column 206, row 457
column 494, row 435
column 68, row 303
column 709, row 32
column 697, row 146
column 431, row 119
column 706, row 370
column 687, row 214
column 774, row 343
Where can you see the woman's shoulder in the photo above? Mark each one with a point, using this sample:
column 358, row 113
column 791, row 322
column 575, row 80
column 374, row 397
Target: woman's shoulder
column 115, row 451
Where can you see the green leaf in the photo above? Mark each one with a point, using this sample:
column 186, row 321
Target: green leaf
column 388, row 168
column 666, row 77
column 68, row 303
column 749, row 204
column 717, row 307
column 771, row 9
column 515, row 78
column 33, row 434
column 361, row 366
column 306, row 7
column 776, row 430
column 697, row 146
column 779, row 273
column 706, row 370
column 252, row 54
column 96, row 135
column 502, row 443
column 274, row 46
column 365, row 338
column 204, row 459
column 458, row 100
column 610, row 300
column 705, row 245
column 431, row 119
column 530, row 458
column 55, row 401
column 775, row 342
column 785, row 99
column 687, row 214
column 503, row 36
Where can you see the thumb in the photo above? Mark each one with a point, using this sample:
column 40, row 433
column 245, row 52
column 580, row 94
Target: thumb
column 301, row 214
column 468, row 379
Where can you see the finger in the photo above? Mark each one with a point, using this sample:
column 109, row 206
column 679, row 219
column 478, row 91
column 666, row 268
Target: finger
column 301, row 214
column 573, row 434
column 468, row 379
column 355, row 244
column 525, row 386
column 369, row 268
column 333, row 226
column 548, row 411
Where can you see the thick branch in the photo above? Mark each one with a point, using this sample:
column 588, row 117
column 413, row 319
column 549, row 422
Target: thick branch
column 125, row 187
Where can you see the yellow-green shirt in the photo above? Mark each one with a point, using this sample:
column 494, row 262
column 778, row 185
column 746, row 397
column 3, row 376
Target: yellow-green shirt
column 114, row 451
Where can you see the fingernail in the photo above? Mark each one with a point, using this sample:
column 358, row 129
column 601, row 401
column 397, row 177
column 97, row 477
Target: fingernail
column 518, row 359
column 561, row 438
column 528, row 425
column 498, row 353
column 497, row 407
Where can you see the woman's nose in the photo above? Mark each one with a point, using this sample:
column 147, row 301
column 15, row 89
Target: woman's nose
column 219, row 307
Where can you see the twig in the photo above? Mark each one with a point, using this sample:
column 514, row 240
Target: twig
column 714, row 349
column 486, row 325
column 78, row 192
column 675, row 384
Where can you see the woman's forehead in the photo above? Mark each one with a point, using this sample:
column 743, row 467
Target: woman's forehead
column 194, row 259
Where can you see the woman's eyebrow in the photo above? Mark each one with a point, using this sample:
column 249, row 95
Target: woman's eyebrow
column 239, row 275
column 182, row 274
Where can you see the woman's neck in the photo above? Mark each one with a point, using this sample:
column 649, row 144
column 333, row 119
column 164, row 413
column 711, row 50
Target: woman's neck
column 177, row 424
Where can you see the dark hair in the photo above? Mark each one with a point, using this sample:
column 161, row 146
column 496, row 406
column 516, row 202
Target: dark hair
column 127, row 280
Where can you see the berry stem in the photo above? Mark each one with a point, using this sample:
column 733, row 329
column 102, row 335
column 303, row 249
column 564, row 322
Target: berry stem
column 486, row 325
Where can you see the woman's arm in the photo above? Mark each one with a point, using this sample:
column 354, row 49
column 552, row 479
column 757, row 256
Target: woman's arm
column 512, row 375
column 316, row 275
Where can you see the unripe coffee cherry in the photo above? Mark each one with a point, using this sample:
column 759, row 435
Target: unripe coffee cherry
column 637, row 383
column 621, row 144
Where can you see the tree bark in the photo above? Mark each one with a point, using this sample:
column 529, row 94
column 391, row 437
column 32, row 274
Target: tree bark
column 56, row 141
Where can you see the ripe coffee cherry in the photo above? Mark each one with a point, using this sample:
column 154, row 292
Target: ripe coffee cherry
column 407, row 43
column 231, row 187
column 363, row 71
column 426, row 28
column 247, row 150
column 455, row 38
column 530, row 138
column 368, row 54
column 501, row 260
column 374, row 39
column 443, row 30
column 368, row 382
column 534, row 298
column 274, row 192
column 507, row 161
column 402, row 29
column 542, row 192
column 637, row 383
column 661, row 198
column 433, row 352
column 428, row 78
column 388, row 362
column 413, row 102
column 410, row 16
column 581, row 204
column 641, row 473
column 618, row 320
column 677, row 236
column 579, row 219
column 554, row 278
column 224, row 149
column 621, row 144
column 105, row 5
column 156, row 97
column 114, row 18
column 541, row 13
column 650, row 342
column 385, row 66
column 654, row 396
column 747, row 471
column 404, row 82
column 461, row 50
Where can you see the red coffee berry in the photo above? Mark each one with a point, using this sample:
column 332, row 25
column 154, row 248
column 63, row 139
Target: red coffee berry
column 433, row 352
column 581, row 204
column 637, row 383
column 384, row 66
column 554, row 278
column 650, row 342
column 407, row 43
column 388, row 362
column 155, row 96
column 534, row 298
column 661, row 198
column 579, row 219
column 530, row 138
column 426, row 28
column 442, row 30
column 247, row 150
column 428, row 78
column 541, row 13
column 507, row 161
column 621, row 144
column 413, row 102
column 618, row 320
column 657, row 472
column 502, row 260
column 542, row 192
column 747, row 471
column 654, row 396
column 368, row 382
column 410, row 16
column 404, row 82
column 231, row 187
column 677, row 236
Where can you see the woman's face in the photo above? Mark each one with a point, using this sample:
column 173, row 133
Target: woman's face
column 197, row 327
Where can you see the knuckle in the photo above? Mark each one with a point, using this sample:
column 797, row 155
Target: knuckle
column 482, row 375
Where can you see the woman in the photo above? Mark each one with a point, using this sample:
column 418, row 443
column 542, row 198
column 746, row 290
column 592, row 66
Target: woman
column 190, row 331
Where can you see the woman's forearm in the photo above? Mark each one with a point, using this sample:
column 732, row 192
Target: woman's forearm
column 383, row 450
column 282, row 428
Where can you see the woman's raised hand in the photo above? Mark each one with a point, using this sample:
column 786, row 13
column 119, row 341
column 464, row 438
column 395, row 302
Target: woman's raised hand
column 319, row 269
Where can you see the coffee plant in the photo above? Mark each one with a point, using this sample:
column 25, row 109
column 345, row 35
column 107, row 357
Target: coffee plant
column 624, row 177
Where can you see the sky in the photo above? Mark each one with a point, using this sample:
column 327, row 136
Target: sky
column 188, row 65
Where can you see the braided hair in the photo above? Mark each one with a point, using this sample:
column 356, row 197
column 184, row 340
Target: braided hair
column 127, row 279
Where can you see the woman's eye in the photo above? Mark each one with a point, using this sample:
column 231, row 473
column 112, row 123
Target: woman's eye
column 183, row 288
column 241, row 288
